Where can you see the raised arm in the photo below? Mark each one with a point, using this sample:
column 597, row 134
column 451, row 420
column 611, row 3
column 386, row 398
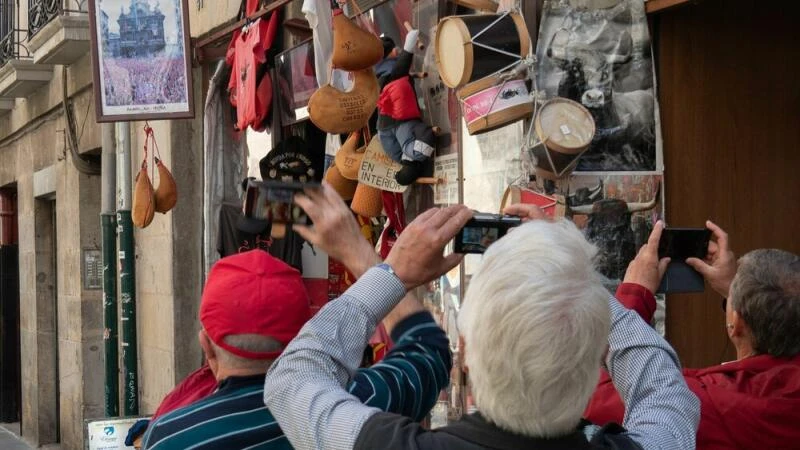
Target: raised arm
column 660, row 410
column 305, row 387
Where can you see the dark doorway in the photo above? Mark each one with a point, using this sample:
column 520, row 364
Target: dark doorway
column 10, row 387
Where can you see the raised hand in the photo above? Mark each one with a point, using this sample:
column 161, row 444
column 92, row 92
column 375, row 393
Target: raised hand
column 719, row 266
column 646, row 269
column 335, row 230
column 417, row 256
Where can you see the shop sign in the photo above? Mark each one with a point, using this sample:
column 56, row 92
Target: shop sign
column 378, row 170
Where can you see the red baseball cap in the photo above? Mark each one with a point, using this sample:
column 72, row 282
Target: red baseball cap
column 253, row 293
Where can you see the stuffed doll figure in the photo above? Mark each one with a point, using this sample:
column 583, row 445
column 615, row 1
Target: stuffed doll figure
column 403, row 135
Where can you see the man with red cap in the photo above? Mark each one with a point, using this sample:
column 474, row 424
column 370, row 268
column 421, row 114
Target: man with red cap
column 252, row 306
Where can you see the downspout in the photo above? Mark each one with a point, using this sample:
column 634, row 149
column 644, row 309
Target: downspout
column 108, row 222
column 127, row 274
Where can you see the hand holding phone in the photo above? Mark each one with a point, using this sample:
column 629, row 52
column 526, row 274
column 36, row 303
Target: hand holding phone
column 679, row 244
column 482, row 231
column 274, row 201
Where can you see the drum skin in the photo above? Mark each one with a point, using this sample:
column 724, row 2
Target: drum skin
column 565, row 129
column 459, row 61
column 337, row 112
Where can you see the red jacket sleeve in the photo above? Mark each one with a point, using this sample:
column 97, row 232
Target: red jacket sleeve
column 606, row 405
column 637, row 298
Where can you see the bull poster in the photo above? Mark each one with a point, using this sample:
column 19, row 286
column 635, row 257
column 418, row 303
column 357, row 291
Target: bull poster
column 598, row 53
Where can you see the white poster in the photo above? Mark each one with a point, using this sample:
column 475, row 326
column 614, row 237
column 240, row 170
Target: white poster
column 110, row 434
column 445, row 168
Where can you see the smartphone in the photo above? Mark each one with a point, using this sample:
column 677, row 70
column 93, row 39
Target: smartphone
column 482, row 231
column 679, row 244
column 274, row 201
column 682, row 243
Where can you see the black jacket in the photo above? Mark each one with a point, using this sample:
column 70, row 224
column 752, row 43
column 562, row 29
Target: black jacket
column 393, row 432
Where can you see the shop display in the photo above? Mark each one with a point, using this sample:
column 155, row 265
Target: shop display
column 349, row 156
column 469, row 48
column 354, row 48
column 143, row 209
column 346, row 188
column 367, row 201
column 598, row 53
column 146, row 199
column 565, row 130
column 405, row 138
column 493, row 102
column 166, row 194
column 250, row 85
column 338, row 112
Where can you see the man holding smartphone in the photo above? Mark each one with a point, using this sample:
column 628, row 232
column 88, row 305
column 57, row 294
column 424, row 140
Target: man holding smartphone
column 750, row 403
column 536, row 322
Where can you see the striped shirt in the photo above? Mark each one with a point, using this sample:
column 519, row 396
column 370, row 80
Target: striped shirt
column 234, row 417
column 305, row 386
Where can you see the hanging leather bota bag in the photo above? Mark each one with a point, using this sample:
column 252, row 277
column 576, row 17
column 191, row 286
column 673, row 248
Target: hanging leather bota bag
column 367, row 201
column 354, row 48
column 166, row 194
column 143, row 208
column 337, row 112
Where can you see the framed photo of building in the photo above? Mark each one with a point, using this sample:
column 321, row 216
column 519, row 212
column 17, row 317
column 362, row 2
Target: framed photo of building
column 141, row 59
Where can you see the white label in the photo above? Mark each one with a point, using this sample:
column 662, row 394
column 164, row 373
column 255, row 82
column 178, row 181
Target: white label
column 109, row 434
column 565, row 130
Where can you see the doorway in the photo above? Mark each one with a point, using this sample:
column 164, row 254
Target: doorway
column 10, row 385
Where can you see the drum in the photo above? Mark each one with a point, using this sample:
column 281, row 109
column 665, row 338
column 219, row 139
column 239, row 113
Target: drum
column 469, row 48
column 565, row 130
column 490, row 103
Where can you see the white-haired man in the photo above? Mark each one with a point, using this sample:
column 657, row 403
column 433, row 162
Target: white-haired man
column 535, row 323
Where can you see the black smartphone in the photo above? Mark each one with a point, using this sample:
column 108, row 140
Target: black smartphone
column 482, row 231
column 679, row 244
column 682, row 243
column 274, row 201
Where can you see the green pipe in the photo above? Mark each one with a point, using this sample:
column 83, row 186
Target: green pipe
column 110, row 339
column 127, row 294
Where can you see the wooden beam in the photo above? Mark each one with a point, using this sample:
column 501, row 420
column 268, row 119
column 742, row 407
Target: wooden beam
column 227, row 30
column 654, row 6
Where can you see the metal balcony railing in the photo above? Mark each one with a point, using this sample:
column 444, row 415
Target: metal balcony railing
column 8, row 49
column 41, row 12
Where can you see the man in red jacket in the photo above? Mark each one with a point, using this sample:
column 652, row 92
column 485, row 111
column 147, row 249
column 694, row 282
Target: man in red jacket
column 750, row 403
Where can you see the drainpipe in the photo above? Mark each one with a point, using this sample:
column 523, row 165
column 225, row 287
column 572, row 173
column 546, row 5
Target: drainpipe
column 127, row 273
column 108, row 223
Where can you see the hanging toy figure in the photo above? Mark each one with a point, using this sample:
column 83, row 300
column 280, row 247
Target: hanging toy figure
column 403, row 135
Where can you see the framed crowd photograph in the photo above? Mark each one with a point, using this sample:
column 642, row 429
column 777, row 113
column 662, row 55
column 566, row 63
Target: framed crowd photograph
column 141, row 59
column 296, row 80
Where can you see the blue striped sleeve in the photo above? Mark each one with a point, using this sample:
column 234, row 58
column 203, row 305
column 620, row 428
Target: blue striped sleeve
column 408, row 380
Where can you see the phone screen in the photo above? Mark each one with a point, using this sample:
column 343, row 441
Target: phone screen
column 682, row 243
column 482, row 231
column 274, row 201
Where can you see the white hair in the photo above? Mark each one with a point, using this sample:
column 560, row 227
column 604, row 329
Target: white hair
column 535, row 323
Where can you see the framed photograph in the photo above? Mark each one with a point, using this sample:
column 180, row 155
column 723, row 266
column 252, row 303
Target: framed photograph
column 141, row 59
column 296, row 80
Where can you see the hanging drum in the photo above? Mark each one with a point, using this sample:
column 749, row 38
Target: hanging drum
column 491, row 103
column 469, row 48
column 565, row 130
